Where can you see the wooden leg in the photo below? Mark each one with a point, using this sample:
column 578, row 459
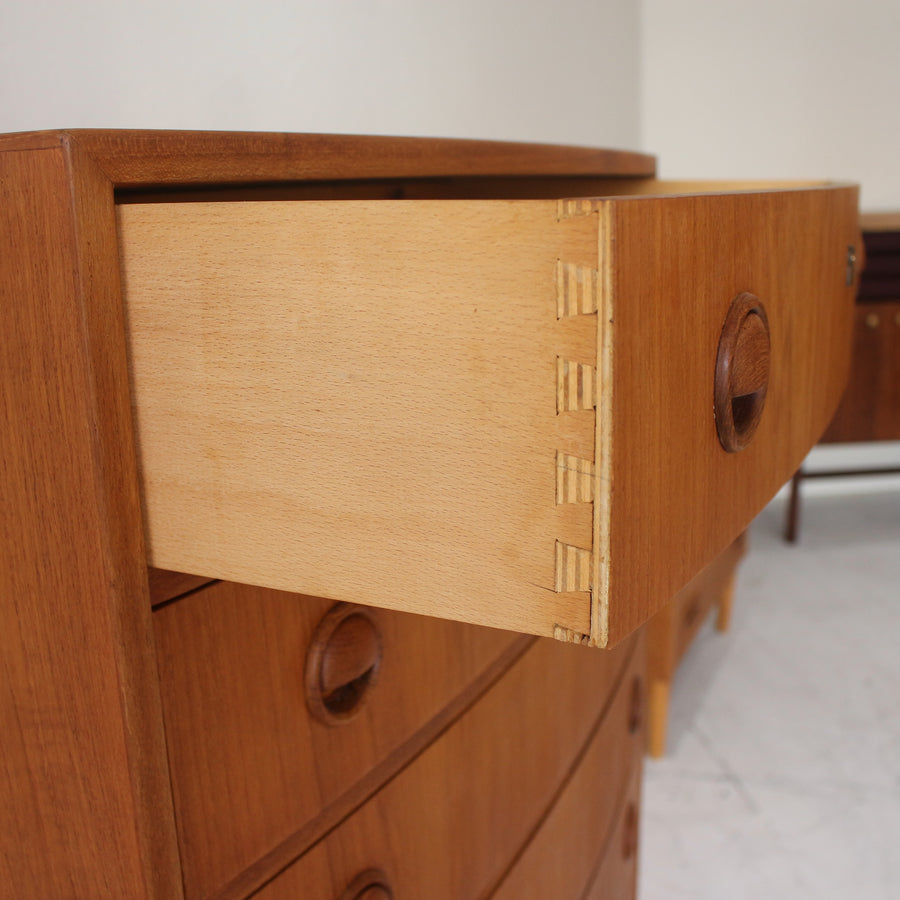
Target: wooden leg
column 658, row 718
column 723, row 616
column 792, row 523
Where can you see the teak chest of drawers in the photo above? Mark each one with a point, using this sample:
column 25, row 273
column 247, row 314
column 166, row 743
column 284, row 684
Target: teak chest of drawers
column 525, row 387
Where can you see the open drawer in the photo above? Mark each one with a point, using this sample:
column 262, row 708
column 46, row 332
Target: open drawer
column 501, row 411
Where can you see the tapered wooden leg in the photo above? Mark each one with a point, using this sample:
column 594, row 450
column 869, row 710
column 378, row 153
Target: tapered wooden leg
column 723, row 615
column 658, row 718
column 792, row 522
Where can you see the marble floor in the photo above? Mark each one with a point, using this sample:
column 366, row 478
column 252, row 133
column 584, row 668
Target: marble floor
column 782, row 778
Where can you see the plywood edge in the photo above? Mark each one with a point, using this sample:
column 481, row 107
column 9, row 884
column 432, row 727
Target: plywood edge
column 589, row 292
column 657, row 188
column 603, row 427
column 580, row 293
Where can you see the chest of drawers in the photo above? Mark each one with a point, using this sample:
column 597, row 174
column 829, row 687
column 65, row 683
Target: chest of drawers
column 479, row 382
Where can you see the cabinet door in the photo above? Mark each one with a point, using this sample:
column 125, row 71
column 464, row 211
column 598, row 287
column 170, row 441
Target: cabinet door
column 870, row 408
column 497, row 411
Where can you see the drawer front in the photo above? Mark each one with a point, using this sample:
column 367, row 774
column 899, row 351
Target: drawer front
column 495, row 411
column 450, row 826
column 560, row 859
column 671, row 630
column 615, row 878
column 691, row 606
column 870, row 408
column 254, row 771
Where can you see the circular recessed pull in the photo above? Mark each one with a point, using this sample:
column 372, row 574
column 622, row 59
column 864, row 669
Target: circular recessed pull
column 742, row 372
column 342, row 663
column 369, row 885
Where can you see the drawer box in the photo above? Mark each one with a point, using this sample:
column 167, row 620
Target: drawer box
column 498, row 411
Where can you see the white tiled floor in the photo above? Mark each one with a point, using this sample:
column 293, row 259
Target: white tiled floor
column 783, row 773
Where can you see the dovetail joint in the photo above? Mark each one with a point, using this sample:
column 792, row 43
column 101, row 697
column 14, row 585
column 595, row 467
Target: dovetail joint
column 573, row 568
column 578, row 206
column 574, row 479
column 577, row 290
column 576, row 386
column 568, row 636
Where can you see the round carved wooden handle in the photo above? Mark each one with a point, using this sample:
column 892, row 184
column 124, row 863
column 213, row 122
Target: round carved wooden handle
column 369, row 885
column 742, row 372
column 342, row 663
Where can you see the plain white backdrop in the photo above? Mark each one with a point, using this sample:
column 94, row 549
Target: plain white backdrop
column 564, row 72
column 775, row 89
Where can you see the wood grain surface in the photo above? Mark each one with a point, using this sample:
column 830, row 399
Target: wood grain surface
column 83, row 780
column 616, row 875
column 678, row 499
column 481, row 789
column 417, row 466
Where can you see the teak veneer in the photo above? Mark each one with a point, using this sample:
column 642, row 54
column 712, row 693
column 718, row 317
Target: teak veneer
column 473, row 380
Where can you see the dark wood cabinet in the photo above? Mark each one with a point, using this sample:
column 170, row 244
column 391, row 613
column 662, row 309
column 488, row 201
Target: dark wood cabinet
column 870, row 407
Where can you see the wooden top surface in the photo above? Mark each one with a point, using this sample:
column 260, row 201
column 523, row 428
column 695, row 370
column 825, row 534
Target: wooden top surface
column 134, row 158
column 880, row 221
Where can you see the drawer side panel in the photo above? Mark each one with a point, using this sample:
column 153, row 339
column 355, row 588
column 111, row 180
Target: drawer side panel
column 367, row 400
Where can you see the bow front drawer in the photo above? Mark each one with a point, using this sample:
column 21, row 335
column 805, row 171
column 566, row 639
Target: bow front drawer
column 541, row 415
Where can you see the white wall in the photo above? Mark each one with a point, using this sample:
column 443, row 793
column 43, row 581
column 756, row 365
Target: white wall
column 781, row 89
column 775, row 88
column 565, row 71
